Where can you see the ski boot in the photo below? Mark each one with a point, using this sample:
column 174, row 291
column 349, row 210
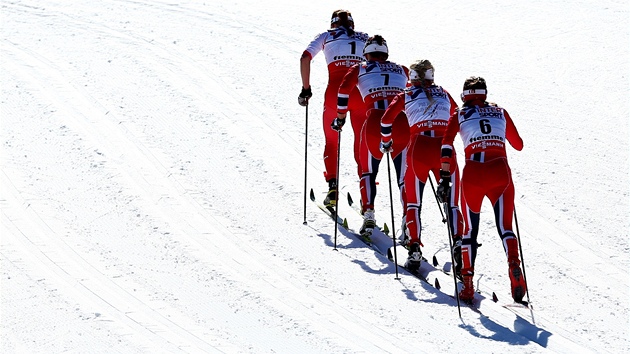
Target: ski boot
column 369, row 223
column 331, row 198
column 519, row 287
column 467, row 294
column 415, row 258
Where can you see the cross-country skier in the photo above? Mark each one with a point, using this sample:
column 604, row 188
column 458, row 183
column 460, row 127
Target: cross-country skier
column 428, row 108
column 484, row 128
column 342, row 47
column 378, row 81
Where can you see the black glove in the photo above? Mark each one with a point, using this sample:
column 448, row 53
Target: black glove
column 386, row 148
column 444, row 188
column 338, row 123
column 304, row 96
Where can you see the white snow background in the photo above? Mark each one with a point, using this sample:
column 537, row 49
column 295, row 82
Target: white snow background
column 152, row 185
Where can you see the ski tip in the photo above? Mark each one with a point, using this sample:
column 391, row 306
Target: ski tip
column 385, row 229
column 350, row 201
column 312, row 195
column 435, row 261
column 494, row 297
column 437, row 284
column 345, row 223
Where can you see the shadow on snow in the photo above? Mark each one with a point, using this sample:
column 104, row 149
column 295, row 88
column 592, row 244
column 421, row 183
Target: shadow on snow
column 524, row 332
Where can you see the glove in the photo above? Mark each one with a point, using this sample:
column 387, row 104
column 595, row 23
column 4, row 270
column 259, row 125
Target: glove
column 338, row 123
column 386, row 148
column 304, row 96
column 444, row 188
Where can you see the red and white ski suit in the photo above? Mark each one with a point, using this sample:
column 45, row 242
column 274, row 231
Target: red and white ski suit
column 378, row 83
column 427, row 110
column 484, row 129
column 341, row 52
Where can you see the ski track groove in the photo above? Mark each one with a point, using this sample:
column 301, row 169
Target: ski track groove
column 48, row 73
column 60, row 263
column 177, row 196
column 152, row 173
column 491, row 318
column 194, row 79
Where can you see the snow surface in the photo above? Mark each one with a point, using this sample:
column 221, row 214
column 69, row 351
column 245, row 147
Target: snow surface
column 152, row 185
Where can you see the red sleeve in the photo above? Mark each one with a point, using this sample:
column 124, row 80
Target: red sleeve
column 392, row 111
column 394, row 108
column 454, row 106
column 307, row 54
column 511, row 133
column 407, row 73
column 449, row 136
column 349, row 81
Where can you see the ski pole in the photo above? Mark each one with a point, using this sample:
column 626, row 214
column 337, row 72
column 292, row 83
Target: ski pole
column 520, row 248
column 391, row 206
column 338, row 185
column 305, row 160
column 436, row 198
column 450, row 242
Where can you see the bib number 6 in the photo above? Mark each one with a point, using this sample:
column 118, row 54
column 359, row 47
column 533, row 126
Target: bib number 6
column 485, row 126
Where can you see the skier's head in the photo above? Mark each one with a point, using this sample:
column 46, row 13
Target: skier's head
column 421, row 72
column 474, row 89
column 376, row 48
column 342, row 18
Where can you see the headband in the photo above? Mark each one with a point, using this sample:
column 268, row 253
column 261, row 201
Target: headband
column 428, row 75
column 336, row 19
column 474, row 92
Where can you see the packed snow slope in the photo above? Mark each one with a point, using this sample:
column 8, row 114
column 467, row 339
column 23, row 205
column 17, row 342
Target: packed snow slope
column 152, row 179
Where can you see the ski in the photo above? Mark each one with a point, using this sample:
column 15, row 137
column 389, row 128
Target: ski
column 329, row 211
column 356, row 208
column 401, row 255
column 514, row 307
column 484, row 304
column 343, row 222
column 441, row 281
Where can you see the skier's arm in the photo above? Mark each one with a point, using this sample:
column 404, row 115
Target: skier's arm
column 447, row 141
column 392, row 111
column 349, row 81
column 406, row 69
column 316, row 46
column 454, row 106
column 511, row 133
column 305, row 69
